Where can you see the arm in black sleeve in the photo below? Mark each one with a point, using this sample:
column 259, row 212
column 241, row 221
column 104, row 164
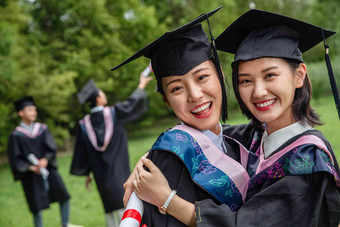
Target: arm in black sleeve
column 133, row 107
column 209, row 214
column 305, row 200
column 50, row 147
column 330, row 210
column 80, row 161
column 17, row 159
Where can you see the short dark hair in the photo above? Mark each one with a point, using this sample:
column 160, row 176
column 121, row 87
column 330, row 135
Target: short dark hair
column 93, row 99
column 302, row 109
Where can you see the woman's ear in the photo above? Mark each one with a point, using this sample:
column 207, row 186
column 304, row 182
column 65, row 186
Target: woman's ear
column 165, row 100
column 300, row 74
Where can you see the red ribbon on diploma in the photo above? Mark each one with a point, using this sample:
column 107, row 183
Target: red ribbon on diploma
column 132, row 213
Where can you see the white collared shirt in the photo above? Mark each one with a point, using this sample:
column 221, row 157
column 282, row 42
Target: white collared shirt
column 215, row 139
column 97, row 109
column 273, row 141
column 26, row 126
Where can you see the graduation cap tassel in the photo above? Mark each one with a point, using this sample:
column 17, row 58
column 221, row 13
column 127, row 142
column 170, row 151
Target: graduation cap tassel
column 220, row 75
column 331, row 75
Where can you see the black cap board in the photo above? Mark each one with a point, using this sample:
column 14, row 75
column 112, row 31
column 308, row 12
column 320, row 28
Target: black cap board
column 23, row 102
column 169, row 52
column 87, row 92
column 259, row 33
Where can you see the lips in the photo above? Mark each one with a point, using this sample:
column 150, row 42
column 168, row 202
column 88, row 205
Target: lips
column 265, row 105
column 203, row 110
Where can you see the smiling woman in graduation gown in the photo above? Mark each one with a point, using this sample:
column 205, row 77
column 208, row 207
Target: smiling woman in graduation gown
column 186, row 154
column 294, row 174
column 101, row 144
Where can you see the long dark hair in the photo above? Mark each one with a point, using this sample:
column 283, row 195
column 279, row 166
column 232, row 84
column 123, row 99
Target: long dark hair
column 302, row 110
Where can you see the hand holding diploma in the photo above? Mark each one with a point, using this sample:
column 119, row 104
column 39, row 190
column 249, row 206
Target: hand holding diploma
column 151, row 187
column 39, row 164
column 128, row 185
column 147, row 70
column 144, row 78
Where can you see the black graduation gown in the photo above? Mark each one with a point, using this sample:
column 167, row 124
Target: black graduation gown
column 179, row 178
column 302, row 200
column 111, row 167
column 42, row 146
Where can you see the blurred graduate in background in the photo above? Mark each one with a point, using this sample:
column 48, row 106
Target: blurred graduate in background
column 32, row 156
column 101, row 144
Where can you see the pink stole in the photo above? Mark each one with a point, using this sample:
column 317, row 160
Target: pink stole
column 34, row 133
column 108, row 121
column 234, row 170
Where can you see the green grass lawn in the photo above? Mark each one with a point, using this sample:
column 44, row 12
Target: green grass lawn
column 86, row 207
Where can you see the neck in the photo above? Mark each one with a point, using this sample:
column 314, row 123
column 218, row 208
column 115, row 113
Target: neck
column 216, row 129
column 274, row 127
column 27, row 122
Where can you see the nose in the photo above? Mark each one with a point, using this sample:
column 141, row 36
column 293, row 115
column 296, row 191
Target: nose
column 194, row 93
column 260, row 90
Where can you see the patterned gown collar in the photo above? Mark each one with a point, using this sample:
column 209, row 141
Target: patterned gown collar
column 210, row 168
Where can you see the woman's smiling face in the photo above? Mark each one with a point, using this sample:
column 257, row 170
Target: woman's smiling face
column 267, row 87
column 196, row 97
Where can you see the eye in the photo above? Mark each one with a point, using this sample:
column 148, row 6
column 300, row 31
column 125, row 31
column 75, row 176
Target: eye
column 269, row 75
column 175, row 89
column 202, row 77
column 244, row 81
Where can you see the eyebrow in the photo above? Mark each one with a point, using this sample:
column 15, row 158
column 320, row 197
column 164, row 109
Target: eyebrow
column 269, row 68
column 199, row 70
column 172, row 81
column 193, row 73
column 262, row 71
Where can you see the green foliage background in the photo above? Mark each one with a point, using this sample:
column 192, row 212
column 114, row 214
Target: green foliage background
column 50, row 48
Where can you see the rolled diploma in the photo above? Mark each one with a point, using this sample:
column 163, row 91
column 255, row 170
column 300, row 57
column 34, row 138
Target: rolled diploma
column 147, row 70
column 33, row 159
column 133, row 212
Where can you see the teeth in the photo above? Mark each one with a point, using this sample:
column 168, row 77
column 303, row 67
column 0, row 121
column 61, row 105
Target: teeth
column 205, row 106
column 264, row 104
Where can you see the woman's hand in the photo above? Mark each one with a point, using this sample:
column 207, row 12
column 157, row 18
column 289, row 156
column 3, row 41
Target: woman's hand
column 143, row 81
column 152, row 187
column 34, row 169
column 88, row 182
column 128, row 185
column 43, row 163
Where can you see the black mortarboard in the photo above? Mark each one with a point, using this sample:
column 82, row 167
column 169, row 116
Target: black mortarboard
column 88, row 92
column 178, row 51
column 169, row 53
column 23, row 102
column 259, row 33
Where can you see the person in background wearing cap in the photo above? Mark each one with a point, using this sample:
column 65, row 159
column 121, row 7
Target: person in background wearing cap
column 294, row 174
column 198, row 162
column 101, row 144
column 31, row 149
